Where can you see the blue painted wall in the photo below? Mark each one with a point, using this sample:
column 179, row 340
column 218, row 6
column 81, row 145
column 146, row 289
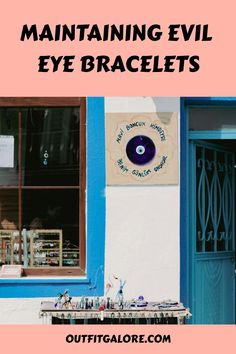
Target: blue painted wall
column 93, row 283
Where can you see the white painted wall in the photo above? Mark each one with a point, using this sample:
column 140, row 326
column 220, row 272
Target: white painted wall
column 142, row 232
column 20, row 311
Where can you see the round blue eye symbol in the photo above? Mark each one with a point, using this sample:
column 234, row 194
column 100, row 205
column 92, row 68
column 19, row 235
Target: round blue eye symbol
column 140, row 149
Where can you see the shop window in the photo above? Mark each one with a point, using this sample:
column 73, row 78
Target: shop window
column 42, row 185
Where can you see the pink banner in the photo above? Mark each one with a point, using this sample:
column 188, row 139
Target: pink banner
column 104, row 339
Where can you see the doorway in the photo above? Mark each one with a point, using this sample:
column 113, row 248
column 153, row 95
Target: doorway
column 208, row 201
column 212, row 230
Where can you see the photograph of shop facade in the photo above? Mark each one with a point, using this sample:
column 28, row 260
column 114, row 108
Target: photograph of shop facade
column 84, row 202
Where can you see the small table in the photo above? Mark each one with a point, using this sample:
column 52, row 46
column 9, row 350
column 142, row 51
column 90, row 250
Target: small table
column 153, row 313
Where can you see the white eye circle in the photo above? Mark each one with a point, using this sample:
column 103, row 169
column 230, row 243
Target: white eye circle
column 140, row 150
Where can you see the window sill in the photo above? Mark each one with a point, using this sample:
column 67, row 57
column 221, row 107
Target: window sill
column 45, row 280
column 35, row 287
column 53, row 272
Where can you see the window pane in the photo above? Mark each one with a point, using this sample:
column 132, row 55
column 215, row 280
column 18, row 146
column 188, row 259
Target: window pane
column 55, row 214
column 9, row 234
column 8, row 147
column 50, row 147
column 9, row 209
column 210, row 118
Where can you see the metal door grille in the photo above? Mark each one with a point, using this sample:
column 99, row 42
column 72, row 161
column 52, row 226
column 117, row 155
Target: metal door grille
column 214, row 199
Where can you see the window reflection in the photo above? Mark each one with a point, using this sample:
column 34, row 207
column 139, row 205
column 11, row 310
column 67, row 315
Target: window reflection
column 50, row 151
column 39, row 193
column 9, row 128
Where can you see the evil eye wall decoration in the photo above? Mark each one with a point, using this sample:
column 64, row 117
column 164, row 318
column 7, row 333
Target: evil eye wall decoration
column 140, row 150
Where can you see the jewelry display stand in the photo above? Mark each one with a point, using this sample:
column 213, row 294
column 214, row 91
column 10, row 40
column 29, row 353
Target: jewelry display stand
column 153, row 313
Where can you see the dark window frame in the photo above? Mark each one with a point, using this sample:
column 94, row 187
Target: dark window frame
column 79, row 102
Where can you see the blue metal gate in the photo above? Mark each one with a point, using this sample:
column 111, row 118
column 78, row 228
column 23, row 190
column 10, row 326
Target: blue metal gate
column 212, row 233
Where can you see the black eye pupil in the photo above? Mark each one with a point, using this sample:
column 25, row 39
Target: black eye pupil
column 140, row 150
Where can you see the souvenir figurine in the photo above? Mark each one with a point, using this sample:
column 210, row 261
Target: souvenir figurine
column 120, row 294
column 82, row 303
column 108, row 303
column 67, row 303
column 140, row 302
column 109, row 285
column 96, row 303
column 63, row 300
column 112, row 305
column 102, row 306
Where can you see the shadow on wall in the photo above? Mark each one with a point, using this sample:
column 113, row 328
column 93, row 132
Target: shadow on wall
column 165, row 106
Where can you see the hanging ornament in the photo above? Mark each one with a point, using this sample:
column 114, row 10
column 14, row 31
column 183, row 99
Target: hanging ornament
column 45, row 158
